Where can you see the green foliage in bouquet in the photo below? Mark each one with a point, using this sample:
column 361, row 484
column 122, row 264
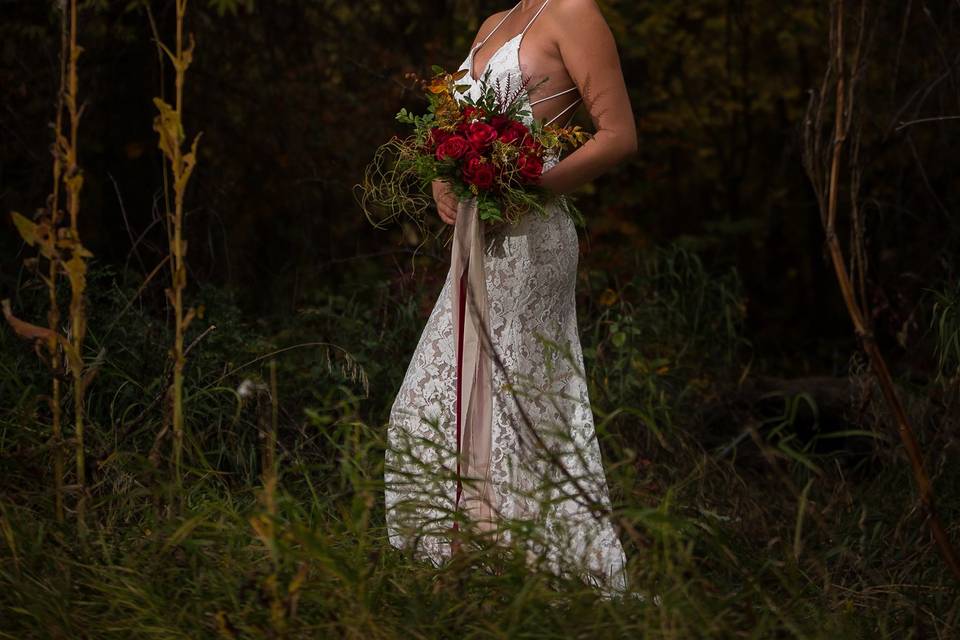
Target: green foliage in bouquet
column 482, row 147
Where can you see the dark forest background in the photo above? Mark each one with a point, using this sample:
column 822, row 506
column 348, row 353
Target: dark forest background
column 293, row 97
column 759, row 473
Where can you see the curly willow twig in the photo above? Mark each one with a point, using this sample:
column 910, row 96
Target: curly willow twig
column 392, row 186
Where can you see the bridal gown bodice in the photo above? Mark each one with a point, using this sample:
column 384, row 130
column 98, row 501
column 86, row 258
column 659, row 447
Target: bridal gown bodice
column 545, row 461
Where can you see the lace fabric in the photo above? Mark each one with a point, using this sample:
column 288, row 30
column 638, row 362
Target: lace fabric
column 545, row 465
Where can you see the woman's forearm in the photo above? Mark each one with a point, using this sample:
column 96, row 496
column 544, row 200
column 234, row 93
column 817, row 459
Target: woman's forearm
column 598, row 155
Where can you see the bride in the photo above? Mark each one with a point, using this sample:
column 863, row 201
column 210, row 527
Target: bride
column 492, row 429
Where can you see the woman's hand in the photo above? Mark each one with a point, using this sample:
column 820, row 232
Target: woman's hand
column 447, row 201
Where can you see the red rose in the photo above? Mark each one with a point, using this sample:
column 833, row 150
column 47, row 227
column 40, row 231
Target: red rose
column 499, row 122
column 479, row 172
column 530, row 145
column 530, row 168
column 453, row 147
column 470, row 162
column 471, row 112
column 471, row 157
column 484, row 177
column 481, row 135
column 436, row 138
column 513, row 132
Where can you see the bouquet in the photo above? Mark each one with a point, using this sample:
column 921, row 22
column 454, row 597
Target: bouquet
column 481, row 147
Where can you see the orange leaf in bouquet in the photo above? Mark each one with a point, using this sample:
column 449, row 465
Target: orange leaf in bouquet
column 445, row 82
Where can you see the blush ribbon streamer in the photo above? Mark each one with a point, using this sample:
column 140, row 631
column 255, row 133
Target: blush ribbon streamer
column 473, row 376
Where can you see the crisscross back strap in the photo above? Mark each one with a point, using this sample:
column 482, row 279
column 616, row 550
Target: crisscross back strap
column 556, row 95
column 569, row 107
column 494, row 30
column 535, row 16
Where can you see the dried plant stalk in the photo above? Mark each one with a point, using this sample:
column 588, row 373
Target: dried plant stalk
column 75, row 265
column 169, row 126
column 53, row 315
column 56, row 427
column 45, row 235
column 823, row 166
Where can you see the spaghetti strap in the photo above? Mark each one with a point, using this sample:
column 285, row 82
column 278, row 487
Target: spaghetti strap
column 569, row 106
column 556, row 95
column 535, row 16
column 502, row 20
column 565, row 91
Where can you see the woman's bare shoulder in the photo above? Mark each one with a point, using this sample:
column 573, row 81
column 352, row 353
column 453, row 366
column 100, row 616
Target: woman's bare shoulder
column 488, row 24
column 575, row 10
column 582, row 17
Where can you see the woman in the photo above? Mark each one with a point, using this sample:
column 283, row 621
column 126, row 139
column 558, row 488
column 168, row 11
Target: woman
column 533, row 453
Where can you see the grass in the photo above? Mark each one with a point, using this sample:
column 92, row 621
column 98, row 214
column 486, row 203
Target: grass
column 758, row 542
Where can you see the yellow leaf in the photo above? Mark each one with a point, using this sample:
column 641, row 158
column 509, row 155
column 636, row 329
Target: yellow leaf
column 167, row 125
column 74, row 183
column 189, row 162
column 81, row 251
column 186, row 57
column 608, row 298
column 26, row 227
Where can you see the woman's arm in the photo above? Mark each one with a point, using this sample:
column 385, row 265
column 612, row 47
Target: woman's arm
column 590, row 55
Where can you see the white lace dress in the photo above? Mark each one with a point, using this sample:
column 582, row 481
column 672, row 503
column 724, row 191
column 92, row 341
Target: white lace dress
column 545, row 465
